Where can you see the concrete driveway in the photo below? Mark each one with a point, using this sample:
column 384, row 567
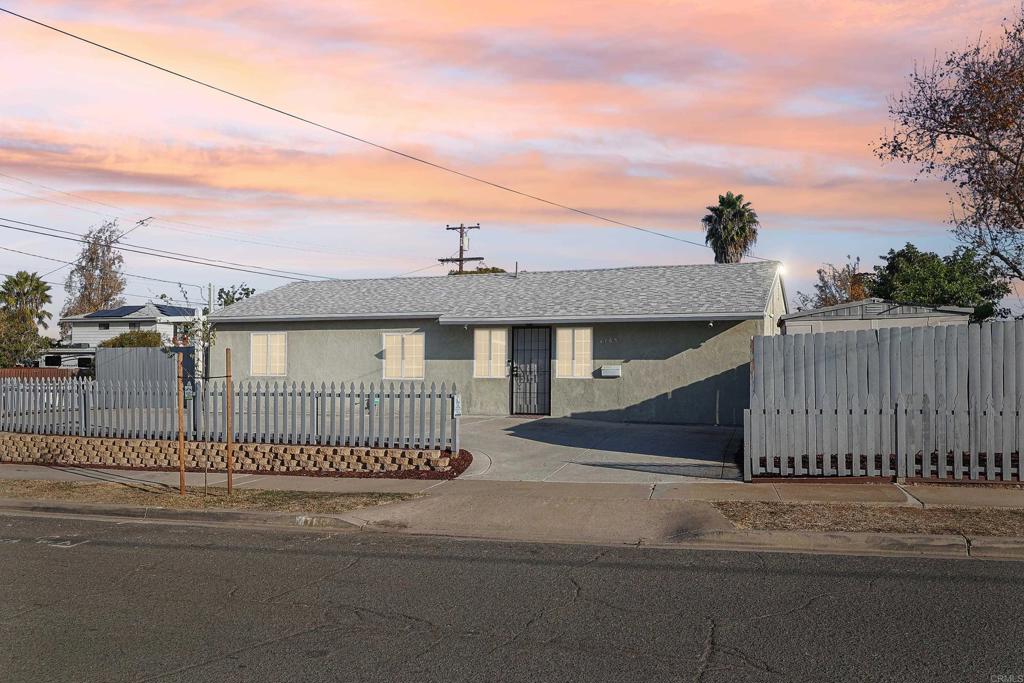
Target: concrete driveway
column 571, row 450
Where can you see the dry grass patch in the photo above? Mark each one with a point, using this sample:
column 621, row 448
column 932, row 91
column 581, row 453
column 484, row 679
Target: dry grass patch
column 852, row 517
column 159, row 495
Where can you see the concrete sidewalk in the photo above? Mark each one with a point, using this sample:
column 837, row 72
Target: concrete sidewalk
column 559, row 512
column 919, row 495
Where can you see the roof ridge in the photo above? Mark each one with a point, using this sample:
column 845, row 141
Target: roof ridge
column 534, row 272
column 624, row 290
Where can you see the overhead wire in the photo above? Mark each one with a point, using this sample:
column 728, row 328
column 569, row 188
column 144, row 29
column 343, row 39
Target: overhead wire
column 160, row 253
column 141, row 296
column 71, row 263
column 357, row 138
column 296, row 245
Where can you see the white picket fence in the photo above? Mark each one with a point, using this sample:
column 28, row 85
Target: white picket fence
column 941, row 403
column 407, row 415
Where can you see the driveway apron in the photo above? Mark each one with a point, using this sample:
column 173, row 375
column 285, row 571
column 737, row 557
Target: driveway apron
column 573, row 450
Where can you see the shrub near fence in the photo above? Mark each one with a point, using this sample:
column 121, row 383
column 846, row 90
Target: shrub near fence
column 408, row 415
column 938, row 403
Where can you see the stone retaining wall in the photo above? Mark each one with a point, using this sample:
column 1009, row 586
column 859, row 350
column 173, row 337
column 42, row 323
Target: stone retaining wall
column 39, row 449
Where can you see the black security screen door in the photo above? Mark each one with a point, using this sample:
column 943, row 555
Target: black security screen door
column 531, row 371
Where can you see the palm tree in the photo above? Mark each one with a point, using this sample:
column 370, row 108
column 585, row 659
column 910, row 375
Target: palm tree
column 730, row 227
column 25, row 295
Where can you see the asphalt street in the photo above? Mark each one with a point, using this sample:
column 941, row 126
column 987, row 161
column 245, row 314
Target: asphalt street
column 85, row 600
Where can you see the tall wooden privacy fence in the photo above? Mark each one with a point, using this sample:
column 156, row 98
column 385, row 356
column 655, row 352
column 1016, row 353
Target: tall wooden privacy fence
column 407, row 415
column 937, row 403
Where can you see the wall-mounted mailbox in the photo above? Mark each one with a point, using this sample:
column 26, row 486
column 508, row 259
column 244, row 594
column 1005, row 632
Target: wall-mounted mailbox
column 611, row 371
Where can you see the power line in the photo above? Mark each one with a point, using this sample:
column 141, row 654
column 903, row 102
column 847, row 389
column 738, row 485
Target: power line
column 54, row 201
column 213, row 261
column 70, row 194
column 145, row 253
column 138, row 224
column 141, row 296
column 356, row 138
column 418, row 270
column 163, row 253
column 307, row 247
column 71, row 263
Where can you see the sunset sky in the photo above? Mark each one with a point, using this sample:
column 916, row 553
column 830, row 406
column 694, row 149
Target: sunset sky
column 642, row 111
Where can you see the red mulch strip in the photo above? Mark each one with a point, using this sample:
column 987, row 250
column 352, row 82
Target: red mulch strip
column 459, row 463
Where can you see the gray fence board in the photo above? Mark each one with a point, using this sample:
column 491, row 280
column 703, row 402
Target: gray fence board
column 945, row 403
column 261, row 413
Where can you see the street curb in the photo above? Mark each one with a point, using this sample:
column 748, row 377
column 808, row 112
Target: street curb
column 835, row 542
column 996, row 547
column 856, row 543
column 281, row 519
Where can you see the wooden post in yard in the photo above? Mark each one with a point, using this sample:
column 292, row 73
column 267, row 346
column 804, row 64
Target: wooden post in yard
column 228, row 412
column 181, row 427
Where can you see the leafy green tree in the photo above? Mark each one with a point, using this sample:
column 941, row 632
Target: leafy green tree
column 96, row 282
column 479, row 270
column 836, row 285
column 963, row 278
column 20, row 341
column 730, row 228
column 233, row 294
column 25, row 294
column 134, row 339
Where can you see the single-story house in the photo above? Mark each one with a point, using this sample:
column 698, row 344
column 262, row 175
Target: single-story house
column 667, row 344
column 89, row 330
column 871, row 314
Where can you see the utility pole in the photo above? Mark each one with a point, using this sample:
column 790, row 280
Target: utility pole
column 229, row 428
column 461, row 260
column 181, row 426
column 206, row 347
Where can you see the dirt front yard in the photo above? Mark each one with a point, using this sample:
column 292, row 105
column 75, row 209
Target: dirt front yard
column 873, row 518
column 195, row 498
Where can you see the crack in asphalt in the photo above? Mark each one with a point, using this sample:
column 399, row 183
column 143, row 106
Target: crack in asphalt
column 709, row 659
column 112, row 586
column 314, row 582
column 708, row 652
column 713, row 654
column 775, row 615
column 534, row 618
column 237, row 651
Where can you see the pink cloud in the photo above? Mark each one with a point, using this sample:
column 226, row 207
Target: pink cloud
column 644, row 111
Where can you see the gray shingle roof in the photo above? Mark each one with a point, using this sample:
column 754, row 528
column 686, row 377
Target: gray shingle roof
column 739, row 290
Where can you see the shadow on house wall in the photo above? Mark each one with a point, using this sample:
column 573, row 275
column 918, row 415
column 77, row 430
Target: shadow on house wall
column 716, row 400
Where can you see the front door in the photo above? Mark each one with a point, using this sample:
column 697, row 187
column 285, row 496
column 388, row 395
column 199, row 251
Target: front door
column 531, row 371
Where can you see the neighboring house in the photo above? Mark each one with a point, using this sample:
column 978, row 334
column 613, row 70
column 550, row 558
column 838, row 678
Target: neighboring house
column 871, row 314
column 652, row 344
column 92, row 329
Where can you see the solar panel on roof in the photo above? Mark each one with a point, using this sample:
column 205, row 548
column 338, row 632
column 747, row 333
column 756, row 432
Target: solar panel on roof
column 119, row 312
column 174, row 310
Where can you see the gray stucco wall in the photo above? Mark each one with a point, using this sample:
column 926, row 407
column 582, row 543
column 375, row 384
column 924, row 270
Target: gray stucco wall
column 682, row 372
